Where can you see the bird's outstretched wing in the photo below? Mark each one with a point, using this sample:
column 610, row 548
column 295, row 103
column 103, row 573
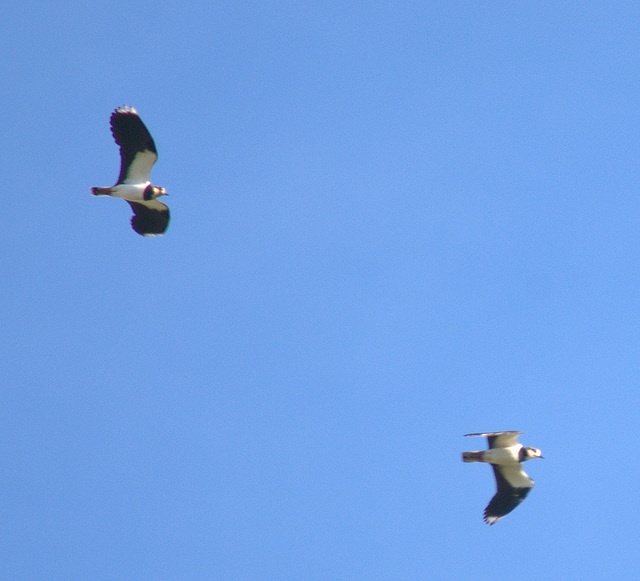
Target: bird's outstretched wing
column 137, row 149
column 149, row 218
column 513, row 486
column 500, row 439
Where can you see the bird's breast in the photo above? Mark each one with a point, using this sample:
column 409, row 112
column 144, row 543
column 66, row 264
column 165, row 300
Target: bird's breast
column 503, row 455
column 131, row 192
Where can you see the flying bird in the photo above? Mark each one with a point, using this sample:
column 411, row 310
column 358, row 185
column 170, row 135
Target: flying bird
column 138, row 153
column 506, row 455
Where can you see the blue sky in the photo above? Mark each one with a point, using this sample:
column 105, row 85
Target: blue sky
column 393, row 223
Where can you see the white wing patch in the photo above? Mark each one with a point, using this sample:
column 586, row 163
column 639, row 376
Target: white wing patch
column 155, row 205
column 515, row 476
column 140, row 169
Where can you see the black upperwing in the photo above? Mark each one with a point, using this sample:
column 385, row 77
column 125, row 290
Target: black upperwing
column 149, row 218
column 510, row 492
column 138, row 151
column 500, row 439
column 503, row 439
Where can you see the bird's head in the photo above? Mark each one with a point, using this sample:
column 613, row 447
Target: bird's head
column 157, row 192
column 533, row 453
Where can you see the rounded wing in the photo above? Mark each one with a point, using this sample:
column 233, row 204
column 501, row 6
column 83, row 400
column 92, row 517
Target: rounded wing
column 137, row 149
column 513, row 487
column 500, row 439
column 149, row 218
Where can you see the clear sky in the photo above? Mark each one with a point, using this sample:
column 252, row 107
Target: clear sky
column 393, row 223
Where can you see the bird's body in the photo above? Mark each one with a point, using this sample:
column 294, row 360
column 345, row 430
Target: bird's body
column 129, row 192
column 501, row 455
column 506, row 455
column 137, row 155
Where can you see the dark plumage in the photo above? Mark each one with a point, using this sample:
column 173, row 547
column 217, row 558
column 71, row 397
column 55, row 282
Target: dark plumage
column 506, row 455
column 138, row 153
column 149, row 217
column 133, row 137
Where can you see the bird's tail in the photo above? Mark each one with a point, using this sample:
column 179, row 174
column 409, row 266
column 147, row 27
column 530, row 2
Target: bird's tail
column 472, row 456
column 101, row 191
